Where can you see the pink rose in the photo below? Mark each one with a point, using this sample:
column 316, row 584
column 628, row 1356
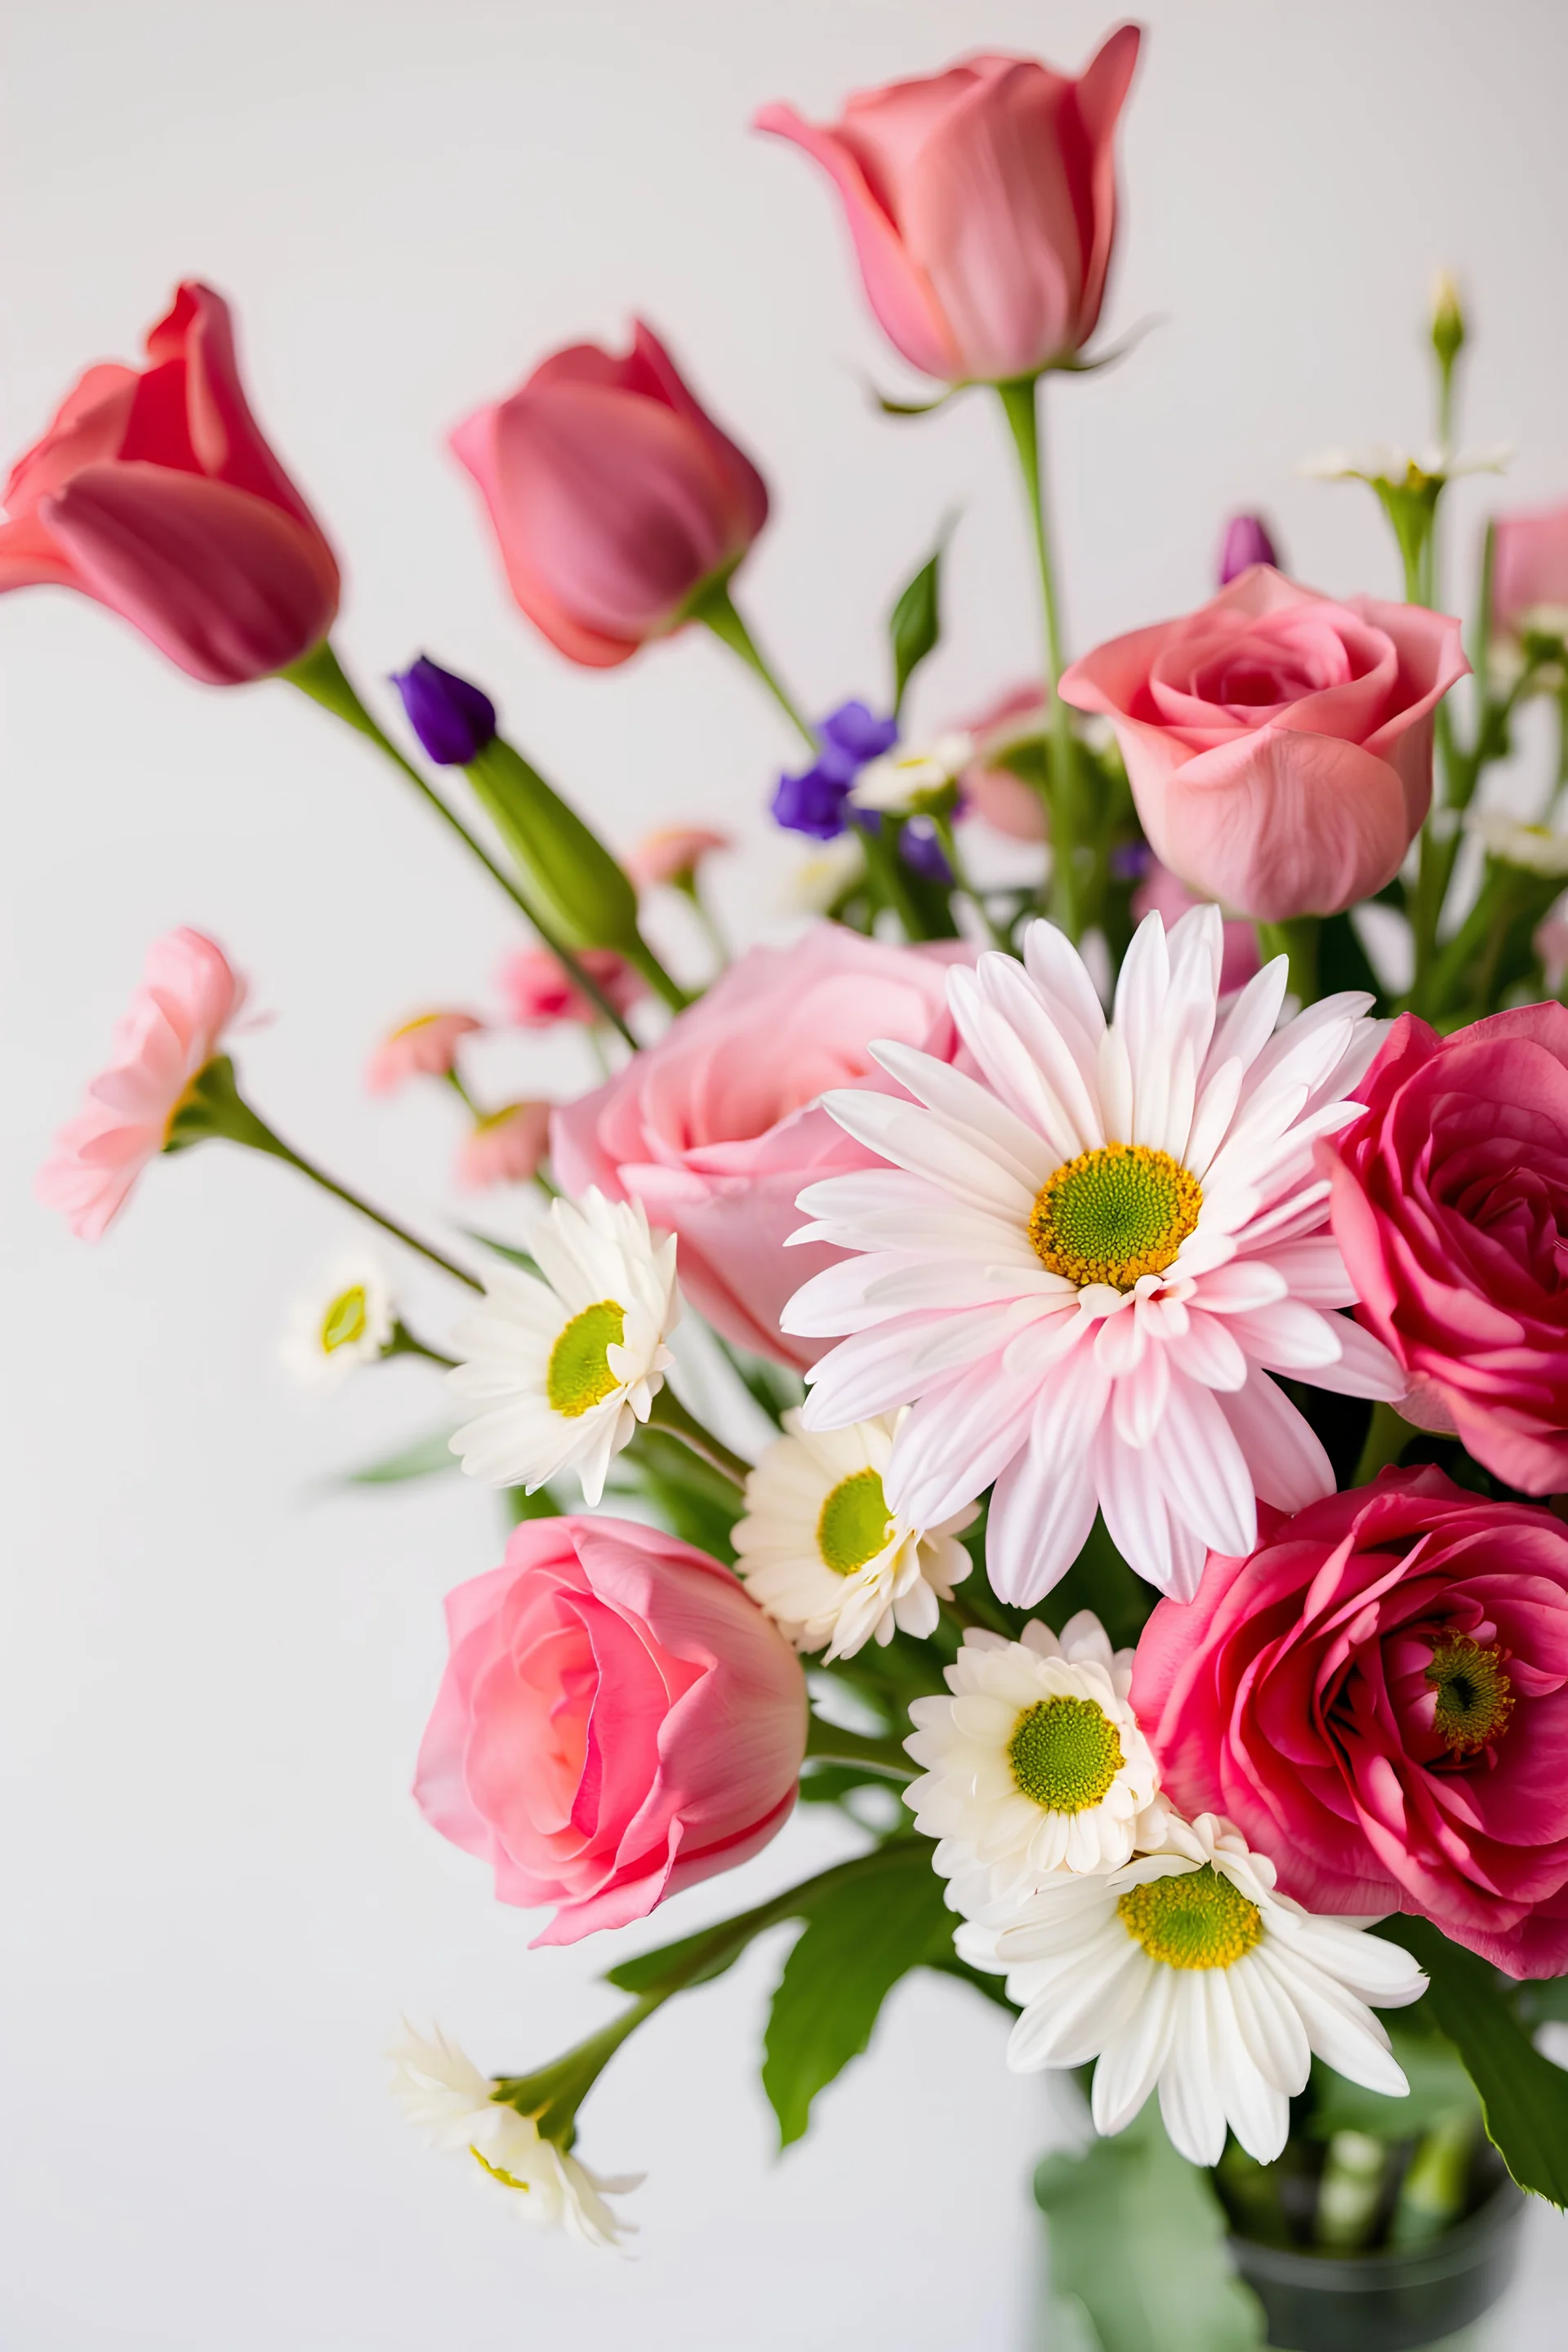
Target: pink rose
column 1378, row 1697
column 1278, row 745
column 614, row 496
column 1530, row 571
column 983, row 205
column 154, row 491
column 539, row 993
column 616, row 1720
column 1449, row 1198
column 716, row 1128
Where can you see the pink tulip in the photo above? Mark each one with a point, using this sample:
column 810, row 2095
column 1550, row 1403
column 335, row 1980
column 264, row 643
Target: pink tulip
column 424, row 1047
column 614, row 496
column 983, row 205
column 155, row 493
column 673, row 854
column 1279, row 744
column 174, row 1027
column 538, row 992
column 505, row 1146
column 617, row 1720
column 1530, row 571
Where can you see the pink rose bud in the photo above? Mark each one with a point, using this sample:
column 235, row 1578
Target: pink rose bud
column 155, row 493
column 424, row 1047
column 1245, row 543
column 614, row 496
column 1279, row 744
column 174, row 1027
column 983, row 205
column 1377, row 1697
column 538, row 994
column 1448, row 1201
column 1529, row 573
column 673, row 854
column 505, row 1146
column 716, row 1137
column 1008, row 733
column 617, row 1720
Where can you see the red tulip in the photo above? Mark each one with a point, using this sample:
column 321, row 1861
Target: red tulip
column 154, row 492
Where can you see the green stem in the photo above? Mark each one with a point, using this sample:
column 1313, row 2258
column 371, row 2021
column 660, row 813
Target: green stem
column 706, row 919
column 403, row 1343
column 320, row 675
column 826, row 1743
column 947, row 834
column 715, row 608
column 641, row 957
column 1020, row 406
column 1387, row 1436
column 669, row 1414
column 461, row 1091
column 885, row 871
column 1298, row 941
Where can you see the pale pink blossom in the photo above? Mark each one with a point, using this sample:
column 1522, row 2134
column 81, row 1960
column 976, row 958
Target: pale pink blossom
column 174, row 1027
column 539, row 993
column 673, row 853
column 505, row 1146
column 424, row 1047
column 1008, row 803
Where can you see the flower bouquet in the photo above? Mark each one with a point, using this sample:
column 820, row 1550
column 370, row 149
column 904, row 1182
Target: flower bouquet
column 1062, row 1359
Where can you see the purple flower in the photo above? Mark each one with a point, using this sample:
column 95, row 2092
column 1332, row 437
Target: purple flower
column 922, row 852
column 813, row 801
column 452, row 719
column 1246, row 542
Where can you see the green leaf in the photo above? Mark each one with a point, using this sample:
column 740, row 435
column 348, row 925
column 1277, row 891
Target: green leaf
column 911, row 407
column 707, row 1954
column 567, row 875
column 1524, row 2097
column 507, row 1250
column 914, row 625
column 1137, row 2242
column 860, row 1939
column 422, row 1457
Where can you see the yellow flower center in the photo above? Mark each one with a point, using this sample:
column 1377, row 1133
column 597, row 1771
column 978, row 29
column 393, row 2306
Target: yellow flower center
column 1065, row 1754
column 1475, row 1697
column 1113, row 1215
column 1196, row 1920
column 579, row 1374
column 497, row 2172
column 344, row 1319
column 854, row 1524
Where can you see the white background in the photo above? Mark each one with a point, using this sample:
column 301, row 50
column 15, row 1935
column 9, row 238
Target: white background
column 217, row 1895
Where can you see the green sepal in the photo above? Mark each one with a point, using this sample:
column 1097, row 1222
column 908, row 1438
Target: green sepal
column 211, row 1105
column 580, row 891
column 912, row 407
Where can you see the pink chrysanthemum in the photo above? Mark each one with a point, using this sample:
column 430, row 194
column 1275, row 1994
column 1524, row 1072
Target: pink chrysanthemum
column 505, row 1146
column 673, row 853
column 424, row 1047
column 1083, row 1262
column 174, row 1028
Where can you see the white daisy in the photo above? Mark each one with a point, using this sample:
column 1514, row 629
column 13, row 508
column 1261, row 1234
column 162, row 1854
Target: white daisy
column 345, row 1322
column 1185, row 1971
column 563, row 1371
column 1034, row 1765
column 1084, row 1261
column 822, row 1553
column 1535, row 847
column 443, row 2094
column 914, row 781
column 1404, row 469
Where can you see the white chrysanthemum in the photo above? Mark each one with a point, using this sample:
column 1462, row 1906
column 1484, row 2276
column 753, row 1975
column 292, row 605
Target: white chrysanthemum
column 1532, row 846
column 344, row 1323
column 822, row 1553
column 563, row 1371
column 1186, row 1972
column 908, row 783
column 1403, row 468
column 1036, row 1764
column 443, row 2094
column 1084, row 1262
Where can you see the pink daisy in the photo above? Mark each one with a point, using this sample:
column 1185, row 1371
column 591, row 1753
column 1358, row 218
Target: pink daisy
column 505, row 1146
column 424, row 1047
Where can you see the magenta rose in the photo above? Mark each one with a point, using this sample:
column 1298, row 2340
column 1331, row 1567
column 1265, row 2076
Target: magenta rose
column 717, row 1128
column 616, row 1720
column 1279, row 744
column 1449, row 1198
column 1378, row 1697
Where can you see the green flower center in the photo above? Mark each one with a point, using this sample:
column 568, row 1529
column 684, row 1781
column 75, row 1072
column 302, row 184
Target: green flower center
column 1475, row 1697
column 1197, row 1920
column 344, row 1319
column 579, row 1374
column 854, row 1524
column 1065, row 1754
column 1113, row 1215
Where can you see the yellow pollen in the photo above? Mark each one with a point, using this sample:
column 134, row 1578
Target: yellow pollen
column 1475, row 1697
column 579, row 1374
column 344, row 1319
column 1065, row 1754
column 1114, row 1215
column 1194, row 1920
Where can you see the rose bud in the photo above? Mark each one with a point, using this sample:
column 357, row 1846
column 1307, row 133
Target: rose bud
column 1530, row 573
column 452, row 719
column 617, row 1720
column 983, row 205
column 1245, row 542
column 1279, row 744
column 153, row 492
column 614, row 496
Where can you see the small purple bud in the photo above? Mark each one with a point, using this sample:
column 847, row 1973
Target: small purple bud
column 922, row 853
column 452, row 719
column 1246, row 542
